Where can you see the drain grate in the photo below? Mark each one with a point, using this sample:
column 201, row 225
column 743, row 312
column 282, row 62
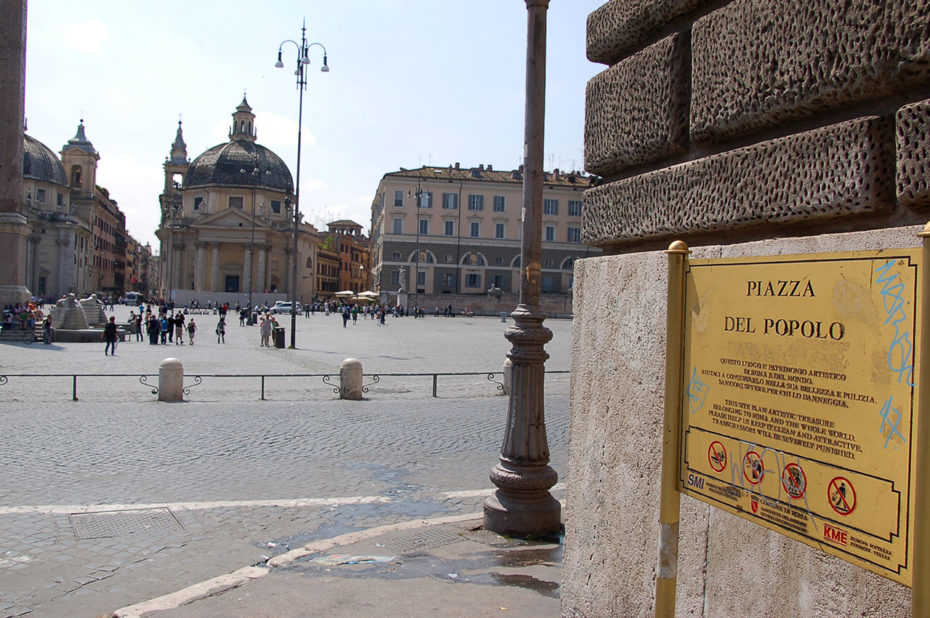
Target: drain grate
column 107, row 524
column 423, row 540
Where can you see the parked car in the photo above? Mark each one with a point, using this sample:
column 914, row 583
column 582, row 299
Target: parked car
column 283, row 306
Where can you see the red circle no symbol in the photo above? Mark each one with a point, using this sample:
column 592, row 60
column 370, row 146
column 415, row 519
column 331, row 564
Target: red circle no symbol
column 753, row 468
column 842, row 496
column 717, row 456
column 794, row 480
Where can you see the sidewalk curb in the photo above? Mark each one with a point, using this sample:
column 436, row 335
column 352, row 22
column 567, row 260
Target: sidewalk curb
column 244, row 575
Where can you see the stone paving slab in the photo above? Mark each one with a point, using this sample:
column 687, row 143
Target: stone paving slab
column 472, row 572
column 245, row 480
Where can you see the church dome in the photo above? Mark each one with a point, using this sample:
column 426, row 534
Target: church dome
column 223, row 165
column 40, row 163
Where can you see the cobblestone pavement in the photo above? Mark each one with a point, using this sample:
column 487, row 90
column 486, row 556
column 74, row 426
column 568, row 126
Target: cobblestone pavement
column 117, row 498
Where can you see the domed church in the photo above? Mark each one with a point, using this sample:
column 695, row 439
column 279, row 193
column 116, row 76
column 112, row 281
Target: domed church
column 78, row 241
column 227, row 223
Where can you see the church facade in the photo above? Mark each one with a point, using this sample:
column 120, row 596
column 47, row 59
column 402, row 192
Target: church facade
column 78, row 240
column 227, row 223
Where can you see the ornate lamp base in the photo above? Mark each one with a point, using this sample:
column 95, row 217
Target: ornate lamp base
column 522, row 505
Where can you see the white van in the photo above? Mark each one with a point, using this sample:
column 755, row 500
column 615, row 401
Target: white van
column 133, row 299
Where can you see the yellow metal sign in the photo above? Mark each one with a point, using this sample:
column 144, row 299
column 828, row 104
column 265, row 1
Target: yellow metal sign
column 800, row 398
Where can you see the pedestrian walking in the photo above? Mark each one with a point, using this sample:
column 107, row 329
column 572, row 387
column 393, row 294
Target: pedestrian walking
column 179, row 329
column 170, row 328
column 221, row 331
column 191, row 329
column 47, row 330
column 109, row 335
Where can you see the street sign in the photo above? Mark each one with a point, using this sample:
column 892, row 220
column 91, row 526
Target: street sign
column 799, row 398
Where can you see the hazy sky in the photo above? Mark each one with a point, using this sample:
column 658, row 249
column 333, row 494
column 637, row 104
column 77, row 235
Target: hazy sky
column 412, row 82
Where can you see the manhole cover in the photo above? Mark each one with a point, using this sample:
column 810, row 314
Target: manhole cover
column 106, row 524
column 423, row 540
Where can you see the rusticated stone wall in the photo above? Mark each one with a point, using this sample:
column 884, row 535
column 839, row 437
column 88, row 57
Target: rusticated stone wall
column 743, row 127
column 763, row 95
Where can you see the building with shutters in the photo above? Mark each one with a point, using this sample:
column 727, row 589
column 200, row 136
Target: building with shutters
column 454, row 230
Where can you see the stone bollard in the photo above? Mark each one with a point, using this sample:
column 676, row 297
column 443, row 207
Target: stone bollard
column 170, row 380
column 508, row 369
column 350, row 379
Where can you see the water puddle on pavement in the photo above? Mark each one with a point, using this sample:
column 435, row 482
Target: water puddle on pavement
column 478, row 568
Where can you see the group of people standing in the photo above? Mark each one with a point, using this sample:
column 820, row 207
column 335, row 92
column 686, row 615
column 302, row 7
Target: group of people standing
column 166, row 328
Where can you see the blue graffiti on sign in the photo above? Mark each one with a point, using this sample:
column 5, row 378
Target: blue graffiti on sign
column 697, row 392
column 901, row 350
column 887, row 410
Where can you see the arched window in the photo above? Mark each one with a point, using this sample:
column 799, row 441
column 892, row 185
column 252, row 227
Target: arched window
column 426, row 257
column 516, row 262
column 568, row 263
column 77, row 175
column 309, row 262
column 474, row 258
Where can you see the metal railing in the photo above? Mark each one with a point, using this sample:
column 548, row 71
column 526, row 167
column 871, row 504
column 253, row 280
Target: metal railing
column 328, row 379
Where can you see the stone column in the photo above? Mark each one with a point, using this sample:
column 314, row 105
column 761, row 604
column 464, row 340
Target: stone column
column 177, row 273
column 247, row 268
column 289, row 252
column 262, row 279
column 200, row 266
column 13, row 224
column 215, row 268
column 522, row 504
column 32, row 252
column 66, row 277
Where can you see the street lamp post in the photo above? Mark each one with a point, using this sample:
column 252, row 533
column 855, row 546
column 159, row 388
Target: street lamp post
column 255, row 174
column 303, row 59
column 522, row 504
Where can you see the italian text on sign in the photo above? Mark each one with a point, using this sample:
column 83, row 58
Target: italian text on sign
column 800, row 391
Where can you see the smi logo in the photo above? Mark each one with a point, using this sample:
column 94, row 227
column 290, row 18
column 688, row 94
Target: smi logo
column 835, row 535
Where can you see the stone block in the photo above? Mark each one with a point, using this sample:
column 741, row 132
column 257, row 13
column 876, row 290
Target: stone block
column 912, row 141
column 637, row 110
column 622, row 26
column 836, row 171
column 758, row 63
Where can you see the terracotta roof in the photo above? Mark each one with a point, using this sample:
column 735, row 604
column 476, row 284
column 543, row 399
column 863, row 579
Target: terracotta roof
column 484, row 173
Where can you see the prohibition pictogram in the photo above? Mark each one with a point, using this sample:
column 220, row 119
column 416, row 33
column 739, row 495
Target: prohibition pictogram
column 842, row 496
column 717, row 456
column 753, row 468
column 794, row 480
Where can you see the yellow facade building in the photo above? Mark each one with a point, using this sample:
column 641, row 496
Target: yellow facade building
column 453, row 231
